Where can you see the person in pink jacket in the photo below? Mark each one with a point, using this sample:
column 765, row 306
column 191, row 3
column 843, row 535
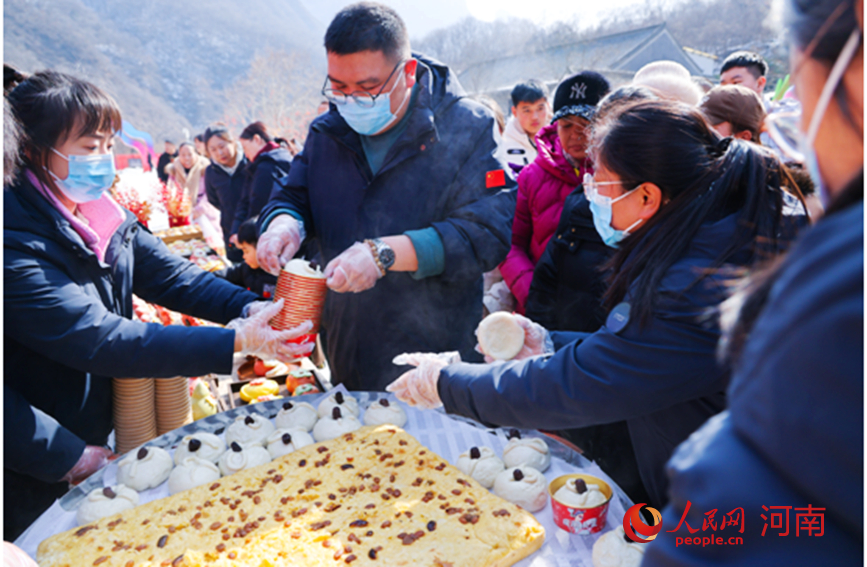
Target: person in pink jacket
column 544, row 184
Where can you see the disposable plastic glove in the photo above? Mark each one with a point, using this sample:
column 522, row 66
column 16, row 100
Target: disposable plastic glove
column 537, row 340
column 418, row 387
column 14, row 556
column 256, row 336
column 499, row 298
column 279, row 243
column 91, row 460
column 254, row 307
column 354, row 270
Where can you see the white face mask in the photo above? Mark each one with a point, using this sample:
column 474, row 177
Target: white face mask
column 806, row 143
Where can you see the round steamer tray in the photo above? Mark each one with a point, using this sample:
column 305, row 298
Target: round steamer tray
column 446, row 435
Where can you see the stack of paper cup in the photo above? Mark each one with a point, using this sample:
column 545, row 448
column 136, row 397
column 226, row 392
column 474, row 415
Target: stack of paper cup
column 302, row 289
column 133, row 408
column 173, row 408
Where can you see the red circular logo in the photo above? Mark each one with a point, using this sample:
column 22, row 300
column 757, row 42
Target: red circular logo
column 633, row 522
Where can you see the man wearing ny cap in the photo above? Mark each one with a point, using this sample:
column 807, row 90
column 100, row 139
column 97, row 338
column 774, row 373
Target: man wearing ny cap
column 400, row 193
column 734, row 110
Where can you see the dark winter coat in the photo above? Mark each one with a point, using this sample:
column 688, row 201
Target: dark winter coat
column 224, row 192
column 433, row 176
column 567, row 288
column 68, row 329
column 258, row 281
column 662, row 378
column 542, row 188
column 794, row 434
column 165, row 159
column 267, row 168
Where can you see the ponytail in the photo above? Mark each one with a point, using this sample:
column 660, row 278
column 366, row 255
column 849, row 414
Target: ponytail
column 706, row 178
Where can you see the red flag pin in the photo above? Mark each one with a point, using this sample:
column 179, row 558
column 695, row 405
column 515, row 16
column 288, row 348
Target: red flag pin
column 495, row 178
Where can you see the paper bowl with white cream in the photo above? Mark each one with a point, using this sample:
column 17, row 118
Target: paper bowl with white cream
column 578, row 512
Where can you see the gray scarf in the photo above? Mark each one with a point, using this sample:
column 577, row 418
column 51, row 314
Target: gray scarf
column 239, row 157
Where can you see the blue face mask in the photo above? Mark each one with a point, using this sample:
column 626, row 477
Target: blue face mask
column 89, row 176
column 369, row 120
column 600, row 207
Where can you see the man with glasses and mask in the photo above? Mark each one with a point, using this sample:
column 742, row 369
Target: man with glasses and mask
column 402, row 198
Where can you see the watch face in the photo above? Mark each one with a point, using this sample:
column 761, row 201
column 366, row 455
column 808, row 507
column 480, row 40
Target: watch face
column 386, row 256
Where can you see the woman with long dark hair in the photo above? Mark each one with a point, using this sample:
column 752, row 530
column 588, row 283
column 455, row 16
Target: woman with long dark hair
column 789, row 453
column 72, row 260
column 224, row 181
column 685, row 208
column 267, row 162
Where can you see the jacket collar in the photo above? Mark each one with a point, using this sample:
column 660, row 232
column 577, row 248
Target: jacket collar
column 25, row 209
column 550, row 156
column 240, row 160
column 515, row 133
column 268, row 147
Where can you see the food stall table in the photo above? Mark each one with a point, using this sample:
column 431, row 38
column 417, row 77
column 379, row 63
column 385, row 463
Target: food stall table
column 443, row 434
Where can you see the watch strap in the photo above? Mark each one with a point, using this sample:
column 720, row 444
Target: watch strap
column 374, row 249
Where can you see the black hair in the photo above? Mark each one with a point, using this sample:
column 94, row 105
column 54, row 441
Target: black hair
column 529, row 91
column 704, row 177
column 12, row 77
column 52, row 107
column 200, row 138
column 219, row 130
column 255, row 129
column 190, row 144
column 752, row 62
column 801, row 178
column 368, row 26
column 248, row 233
column 805, row 20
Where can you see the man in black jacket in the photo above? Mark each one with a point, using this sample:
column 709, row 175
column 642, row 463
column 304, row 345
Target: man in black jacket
column 399, row 186
column 170, row 153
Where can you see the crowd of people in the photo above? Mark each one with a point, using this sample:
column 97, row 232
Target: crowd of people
column 686, row 261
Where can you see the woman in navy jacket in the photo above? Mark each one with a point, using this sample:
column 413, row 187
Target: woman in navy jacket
column 790, row 450
column 72, row 260
column 225, row 180
column 267, row 163
column 699, row 206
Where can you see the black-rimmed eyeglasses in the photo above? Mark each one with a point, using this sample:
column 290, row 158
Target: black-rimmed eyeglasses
column 362, row 98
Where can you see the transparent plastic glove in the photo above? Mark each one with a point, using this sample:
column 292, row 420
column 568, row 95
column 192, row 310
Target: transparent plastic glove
column 254, row 307
column 418, row 387
column 499, row 298
column 14, row 556
column 256, row 336
column 91, row 460
column 354, row 270
column 279, row 243
column 537, row 340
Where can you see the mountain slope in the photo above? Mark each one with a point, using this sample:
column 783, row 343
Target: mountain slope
column 167, row 62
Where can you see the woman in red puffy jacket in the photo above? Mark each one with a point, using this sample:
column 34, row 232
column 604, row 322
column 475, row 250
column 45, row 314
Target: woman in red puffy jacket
column 544, row 184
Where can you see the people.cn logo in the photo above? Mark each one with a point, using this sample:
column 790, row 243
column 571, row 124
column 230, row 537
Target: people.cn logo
column 635, row 527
